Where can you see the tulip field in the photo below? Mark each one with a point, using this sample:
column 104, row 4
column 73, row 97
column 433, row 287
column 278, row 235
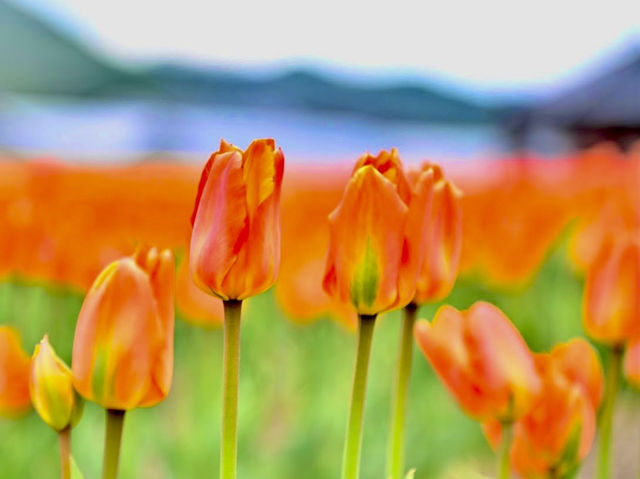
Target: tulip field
column 254, row 316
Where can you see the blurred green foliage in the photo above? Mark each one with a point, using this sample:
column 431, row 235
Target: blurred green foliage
column 294, row 390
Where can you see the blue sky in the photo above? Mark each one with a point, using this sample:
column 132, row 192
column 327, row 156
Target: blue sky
column 485, row 46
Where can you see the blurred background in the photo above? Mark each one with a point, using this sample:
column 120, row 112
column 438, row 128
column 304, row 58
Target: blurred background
column 108, row 110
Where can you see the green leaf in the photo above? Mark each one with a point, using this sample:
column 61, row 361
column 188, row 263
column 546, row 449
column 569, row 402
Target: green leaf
column 75, row 470
column 410, row 474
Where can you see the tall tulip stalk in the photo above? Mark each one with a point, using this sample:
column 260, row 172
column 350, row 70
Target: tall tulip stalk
column 441, row 237
column 374, row 242
column 611, row 310
column 235, row 253
column 123, row 345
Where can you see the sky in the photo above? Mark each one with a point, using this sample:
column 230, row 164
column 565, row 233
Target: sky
column 487, row 45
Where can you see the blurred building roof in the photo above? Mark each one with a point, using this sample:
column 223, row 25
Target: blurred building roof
column 611, row 99
column 603, row 107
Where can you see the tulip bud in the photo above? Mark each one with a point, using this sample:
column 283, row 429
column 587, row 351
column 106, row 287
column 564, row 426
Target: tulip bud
column 123, row 345
column 443, row 244
column 235, row 242
column 376, row 237
column 51, row 388
column 14, row 374
column 553, row 438
column 611, row 305
column 482, row 360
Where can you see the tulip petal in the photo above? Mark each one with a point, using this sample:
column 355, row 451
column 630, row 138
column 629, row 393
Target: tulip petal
column 220, row 227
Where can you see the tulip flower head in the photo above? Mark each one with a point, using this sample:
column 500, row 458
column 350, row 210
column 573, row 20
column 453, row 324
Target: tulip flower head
column 51, row 388
column 376, row 236
column 611, row 305
column 482, row 359
column 235, row 241
column 553, row 438
column 439, row 266
column 14, row 374
column 123, row 345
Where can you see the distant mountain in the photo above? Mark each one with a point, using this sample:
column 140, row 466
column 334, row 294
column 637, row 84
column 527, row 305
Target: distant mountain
column 304, row 90
column 38, row 58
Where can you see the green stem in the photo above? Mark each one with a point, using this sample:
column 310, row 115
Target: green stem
column 353, row 441
column 230, row 374
column 505, row 447
column 395, row 454
column 64, row 438
column 606, row 420
column 113, row 436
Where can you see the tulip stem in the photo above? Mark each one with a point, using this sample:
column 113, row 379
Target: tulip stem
column 113, row 436
column 505, row 447
column 353, row 441
column 64, row 439
column 230, row 374
column 606, row 420
column 395, row 456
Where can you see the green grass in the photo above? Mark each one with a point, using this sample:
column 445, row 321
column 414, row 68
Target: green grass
column 294, row 390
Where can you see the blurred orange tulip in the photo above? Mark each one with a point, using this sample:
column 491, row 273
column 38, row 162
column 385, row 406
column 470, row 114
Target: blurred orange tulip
column 51, row 388
column 376, row 236
column 14, row 374
column 235, row 243
column 481, row 358
column 553, row 438
column 439, row 268
column 123, row 345
column 578, row 362
column 611, row 306
column 632, row 362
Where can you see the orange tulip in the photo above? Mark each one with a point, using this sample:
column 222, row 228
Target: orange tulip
column 482, row 359
column 611, row 306
column 579, row 363
column 553, row 438
column 51, row 388
column 123, row 345
column 14, row 374
column 632, row 362
column 235, row 243
column 439, row 268
column 376, row 236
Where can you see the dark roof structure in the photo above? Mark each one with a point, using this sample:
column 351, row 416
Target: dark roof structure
column 612, row 99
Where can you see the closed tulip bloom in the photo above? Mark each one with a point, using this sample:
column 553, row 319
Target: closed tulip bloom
column 376, row 237
column 482, row 360
column 611, row 305
column 14, row 374
column 235, row 242
column 123, row 345
column 632, row 362
column 557, row 435
column 51, row 388
column 439, row 267
column 553, row 438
